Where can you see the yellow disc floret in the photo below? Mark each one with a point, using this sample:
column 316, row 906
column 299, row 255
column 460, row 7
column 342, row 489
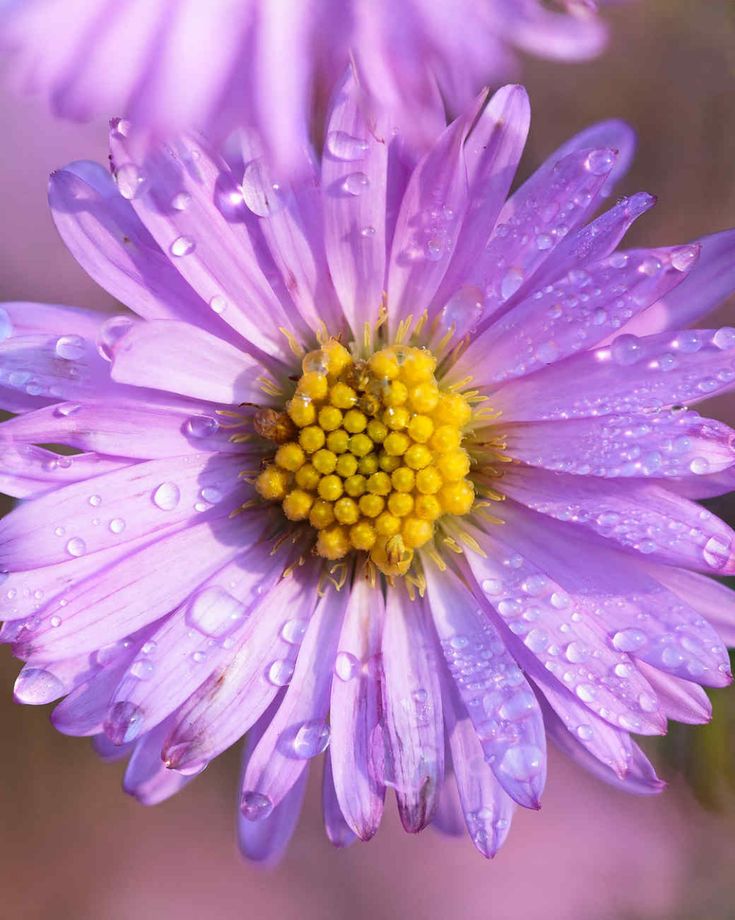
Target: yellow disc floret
column 373, row 459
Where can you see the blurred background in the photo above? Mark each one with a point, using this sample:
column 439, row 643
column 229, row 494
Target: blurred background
column 72, row 845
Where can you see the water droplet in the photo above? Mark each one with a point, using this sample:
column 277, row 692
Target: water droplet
column 544, row 241
column 94, row 500
column 142, row 669
column 117, row 525
column 70, row 347
column 76, row 547
column 724, row 338
column 683, row 258
column 167, row 496
column 124, row 722
column 356, row 183
column 311, row 739
column 255, row 806
column 182, row 246
column 55, row 622
column 367, row 232
column 201, row 426
column 626, row 350
column 181, row 201
column 66, row 409
column 716, row 552
column 585, row 732
column 522, row 761
column 345, row 146
column 293, row 631
column 586, row 693
column 600, row 162
column 512, row 280
column 36, row 687
column 346, row 666
column 280, row 672
column 211, row 495
column 110, row 334
column 218, row 304
column 215, row 612
column 629, row 640
column 129, row 180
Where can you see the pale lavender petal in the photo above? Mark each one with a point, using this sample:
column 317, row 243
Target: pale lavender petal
column 630, row 375
column 713, row 600
column 41, row 682
column 146, row 497
column 665, row 444
column 158, row 355
column 355, row 711
column 136, row 590
column 353, row 181
column 26, row 318
column 237, row 694
column 194, row 641
column 498, row 699
column 27, row 471
column 299, row 730
column 488, row 809
column 578, row 311
column 220, row 263
column 337, row 830
column 639, row 516
column 412, row 704
column 680, row 699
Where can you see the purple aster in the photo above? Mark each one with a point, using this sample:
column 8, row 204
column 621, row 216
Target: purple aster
column 383, row 464
column 173, row 64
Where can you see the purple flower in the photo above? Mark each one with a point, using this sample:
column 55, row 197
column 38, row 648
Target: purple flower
column 173, row 64
column 381, row 464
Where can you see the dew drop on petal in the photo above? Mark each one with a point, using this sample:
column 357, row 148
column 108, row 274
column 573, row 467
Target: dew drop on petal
column 346, row 666
column 181, row 201
column 716, row 552
column 218, row 304
column 182, row 246
column 522, row 761
column 70, row 347
column 345, row 146
column 129, row 180
column 76, row 547
column 35, row 687
column 124, row 722
column 167, row 496
column 310, row 739
column 280, row 672
column 293, row 631
column 629, row 640
column 600, row 162
column 215, row 612
column 255, row 806
column 723, row 339
column 356, row 183
column 201, row 426
column 110, row 334
column 117, row 525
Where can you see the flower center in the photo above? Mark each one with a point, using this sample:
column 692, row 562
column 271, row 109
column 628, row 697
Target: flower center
column 370, row 453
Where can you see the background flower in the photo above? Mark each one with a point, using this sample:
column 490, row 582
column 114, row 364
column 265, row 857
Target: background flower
column 216, row 65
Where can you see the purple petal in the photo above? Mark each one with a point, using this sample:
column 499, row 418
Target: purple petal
column 667, row 444
column 355, row 711
column 498, row 699
column 237, row 694
column 353, row 180
column 158, row 355
column 27, row 471
column 412, row 710
column 487, row 808
column 681, row 700
column 639, row 516
column 299, row 730
column 713, row 600
column 630, row 375
column 335, row 826
column 146, row 776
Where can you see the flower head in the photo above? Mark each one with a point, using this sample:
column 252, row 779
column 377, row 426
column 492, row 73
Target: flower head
column 219, row 65
column 381, row 465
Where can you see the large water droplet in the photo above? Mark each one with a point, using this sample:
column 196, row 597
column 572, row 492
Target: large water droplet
column 293, row 631
column 215, row 612
column 629, row 640
column 201, row 426
column 310, row 739
column 512, row 280
column 124, row 722
column 36, row 687
column 280, row 672
column 345, row 146
column 110, row 334
column 522, row 761
column 218, row 304
column 356, row 183
column 260, row 195
column 182, row 246
column 346, row 666
column 70, row 347
column 130, row 180
column 181, row 201
column 600, row 162
column 167, row 496
column 626, row 350
column 76, row 547
column 255, row 806
column 716, row 552
column 117, row 525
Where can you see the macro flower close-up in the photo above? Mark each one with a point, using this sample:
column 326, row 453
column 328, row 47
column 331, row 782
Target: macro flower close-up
column 393, row 461
column 171, row 65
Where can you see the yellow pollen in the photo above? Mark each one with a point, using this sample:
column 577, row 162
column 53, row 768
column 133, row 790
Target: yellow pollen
column 376, row 457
